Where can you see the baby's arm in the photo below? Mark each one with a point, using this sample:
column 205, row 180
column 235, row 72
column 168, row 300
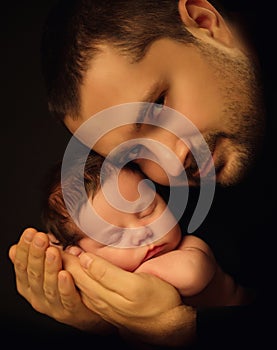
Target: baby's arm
column 190, row 268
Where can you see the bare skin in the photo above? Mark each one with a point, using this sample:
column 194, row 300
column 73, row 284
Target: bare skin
column 96, row 276
column 47, row 286
column 171, row 321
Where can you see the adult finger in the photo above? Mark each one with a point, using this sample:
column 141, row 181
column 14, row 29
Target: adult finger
column 21, row 260
column 109, row 276
column 36, row 259
column 71, row 264
column 85, row 284
column 12, row 252
column 123, row 295
column 52, row 267
column 70, row 297
column 90, row 287
column 81, row 315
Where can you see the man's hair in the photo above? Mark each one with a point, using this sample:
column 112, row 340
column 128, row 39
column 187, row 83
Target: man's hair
column 75, row 29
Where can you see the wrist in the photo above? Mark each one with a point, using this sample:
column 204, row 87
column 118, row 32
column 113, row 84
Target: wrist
column 174, row 328
column 97, row 326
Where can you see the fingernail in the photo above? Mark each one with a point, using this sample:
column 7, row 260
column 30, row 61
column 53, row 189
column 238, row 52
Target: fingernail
column 85, row 260
column 50, row 257
column 76, row 251
column 28, row 236
column 62, row 277
column 39, row 242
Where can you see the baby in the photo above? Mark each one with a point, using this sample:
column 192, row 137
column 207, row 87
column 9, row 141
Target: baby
column 185, row 262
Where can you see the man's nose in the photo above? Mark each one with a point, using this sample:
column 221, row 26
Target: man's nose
column 141, row 236
column 172, row 153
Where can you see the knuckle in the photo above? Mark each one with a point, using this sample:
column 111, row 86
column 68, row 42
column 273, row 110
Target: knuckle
column 68, row 304
column 33, row 274
column 37, row 306
column 98, row 305
column 21, row 290
column 20, row 266
column 50, row 294
column 36, row 254
column 99, row 272
column 135, row 292
column 22, row 249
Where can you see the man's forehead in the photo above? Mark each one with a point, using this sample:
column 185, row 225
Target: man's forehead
column 112, row 84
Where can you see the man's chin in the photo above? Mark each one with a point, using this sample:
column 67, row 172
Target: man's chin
column 227, row 177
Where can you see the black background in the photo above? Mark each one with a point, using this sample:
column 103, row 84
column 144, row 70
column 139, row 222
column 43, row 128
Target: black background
column 31, row 141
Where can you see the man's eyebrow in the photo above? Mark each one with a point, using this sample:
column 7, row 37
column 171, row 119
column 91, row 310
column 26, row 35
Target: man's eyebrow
column 150, row 97
column 152, row 93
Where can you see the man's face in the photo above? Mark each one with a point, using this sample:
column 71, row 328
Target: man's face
column 214, row 88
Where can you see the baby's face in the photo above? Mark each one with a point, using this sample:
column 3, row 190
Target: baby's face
column 141, row 242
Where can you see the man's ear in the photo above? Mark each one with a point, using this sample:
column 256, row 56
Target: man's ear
column 202, row 16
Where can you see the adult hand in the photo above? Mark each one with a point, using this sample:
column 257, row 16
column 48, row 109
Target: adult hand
column 50, row 290
column 142, row 304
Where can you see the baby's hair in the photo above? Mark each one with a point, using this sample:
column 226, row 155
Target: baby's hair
column 55, row 216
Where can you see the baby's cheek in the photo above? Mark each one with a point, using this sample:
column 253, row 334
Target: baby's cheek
column 123, row 258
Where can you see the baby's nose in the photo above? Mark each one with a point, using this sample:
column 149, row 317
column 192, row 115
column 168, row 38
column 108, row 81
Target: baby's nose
column 141, row 236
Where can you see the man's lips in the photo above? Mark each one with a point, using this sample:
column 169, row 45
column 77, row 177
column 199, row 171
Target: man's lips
column 153, row 252
column 207, row 167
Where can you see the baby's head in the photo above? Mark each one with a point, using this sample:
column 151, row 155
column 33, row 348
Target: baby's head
column 140, row 243
column 55, row 215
